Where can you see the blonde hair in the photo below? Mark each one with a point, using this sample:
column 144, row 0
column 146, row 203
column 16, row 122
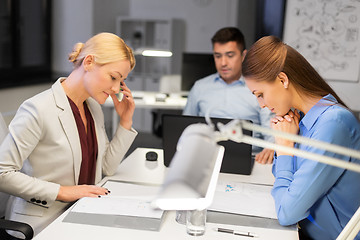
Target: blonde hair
column 105, row 47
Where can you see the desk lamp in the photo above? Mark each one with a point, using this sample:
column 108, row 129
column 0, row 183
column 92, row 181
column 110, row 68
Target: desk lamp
column 192, row 177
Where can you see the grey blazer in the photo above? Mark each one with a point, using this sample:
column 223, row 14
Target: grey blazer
column 42, row 151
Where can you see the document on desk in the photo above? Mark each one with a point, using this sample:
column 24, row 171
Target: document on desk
column 244, row 198
column 127, row 206
column 132, row 190
column 112, row 205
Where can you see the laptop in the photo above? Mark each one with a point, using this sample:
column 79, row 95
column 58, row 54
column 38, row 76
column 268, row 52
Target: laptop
column 237, row 157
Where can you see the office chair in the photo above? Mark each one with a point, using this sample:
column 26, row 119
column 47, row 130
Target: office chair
column 24, row 228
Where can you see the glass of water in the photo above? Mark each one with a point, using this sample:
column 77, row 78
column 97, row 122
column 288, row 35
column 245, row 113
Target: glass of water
column 195, row 222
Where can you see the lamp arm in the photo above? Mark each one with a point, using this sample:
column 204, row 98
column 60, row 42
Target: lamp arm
column 300, row 139
column 352, row 228
column 233, row 131
column 308, row 155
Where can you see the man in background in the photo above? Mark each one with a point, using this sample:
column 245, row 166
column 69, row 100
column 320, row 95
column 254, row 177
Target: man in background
column 224, row 94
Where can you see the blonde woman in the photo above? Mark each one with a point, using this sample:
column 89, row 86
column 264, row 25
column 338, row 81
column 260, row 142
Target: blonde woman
column 57, row 149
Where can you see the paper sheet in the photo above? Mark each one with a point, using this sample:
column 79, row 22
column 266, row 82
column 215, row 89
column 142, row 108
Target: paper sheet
column 125, row 199
column 244, row 198
column 117, row 206
column 131, row 190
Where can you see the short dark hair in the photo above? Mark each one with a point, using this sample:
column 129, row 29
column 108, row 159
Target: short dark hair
column 229, row 34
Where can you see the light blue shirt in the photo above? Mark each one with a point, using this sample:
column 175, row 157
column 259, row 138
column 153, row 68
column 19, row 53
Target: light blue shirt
column 327, row 196
column 214, row 96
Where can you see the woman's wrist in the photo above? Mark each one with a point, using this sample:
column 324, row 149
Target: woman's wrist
column 285, row 144
column 126, row 124
column 59, row 197
column 279, row 153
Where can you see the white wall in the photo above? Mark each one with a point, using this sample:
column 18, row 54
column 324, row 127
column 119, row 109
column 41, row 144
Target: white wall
column 349, row 92
column 72, row 22
column 202, row 18
column 113, row 9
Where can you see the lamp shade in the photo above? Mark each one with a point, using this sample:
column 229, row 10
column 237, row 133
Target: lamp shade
column 192, row 177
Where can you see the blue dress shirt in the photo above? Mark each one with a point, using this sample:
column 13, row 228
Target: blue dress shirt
column 326, row 197
column 212, row 95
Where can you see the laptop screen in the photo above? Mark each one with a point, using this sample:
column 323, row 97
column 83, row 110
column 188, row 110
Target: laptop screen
column 237, row 157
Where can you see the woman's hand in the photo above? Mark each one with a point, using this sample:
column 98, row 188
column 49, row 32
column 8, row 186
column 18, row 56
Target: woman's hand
column 265, row 156
column 124, row 108
column 289, row 124
column 73, row 193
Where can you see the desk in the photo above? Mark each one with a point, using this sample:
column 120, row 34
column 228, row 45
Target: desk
column 133, row 169
column 151, row 100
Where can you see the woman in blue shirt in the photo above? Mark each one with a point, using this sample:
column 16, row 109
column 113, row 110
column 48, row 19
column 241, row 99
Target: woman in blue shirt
column 319, row 197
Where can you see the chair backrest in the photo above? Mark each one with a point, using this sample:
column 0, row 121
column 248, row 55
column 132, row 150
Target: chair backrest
column 3, row 196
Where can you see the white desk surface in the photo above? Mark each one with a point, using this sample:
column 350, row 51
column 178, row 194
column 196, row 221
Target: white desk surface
column 133, row 169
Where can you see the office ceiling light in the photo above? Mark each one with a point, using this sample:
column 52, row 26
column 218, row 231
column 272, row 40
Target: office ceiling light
column 150, row 52
column 156, row 53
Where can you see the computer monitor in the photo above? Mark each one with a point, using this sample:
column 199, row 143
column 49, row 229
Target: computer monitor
column 194, row 67
column 237, row 158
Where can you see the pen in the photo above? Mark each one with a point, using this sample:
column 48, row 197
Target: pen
column 239, row 233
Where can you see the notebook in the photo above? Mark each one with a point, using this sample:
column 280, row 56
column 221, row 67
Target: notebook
column 237, row 157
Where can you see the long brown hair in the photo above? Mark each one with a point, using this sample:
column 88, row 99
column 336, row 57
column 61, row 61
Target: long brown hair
column 269, row 56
